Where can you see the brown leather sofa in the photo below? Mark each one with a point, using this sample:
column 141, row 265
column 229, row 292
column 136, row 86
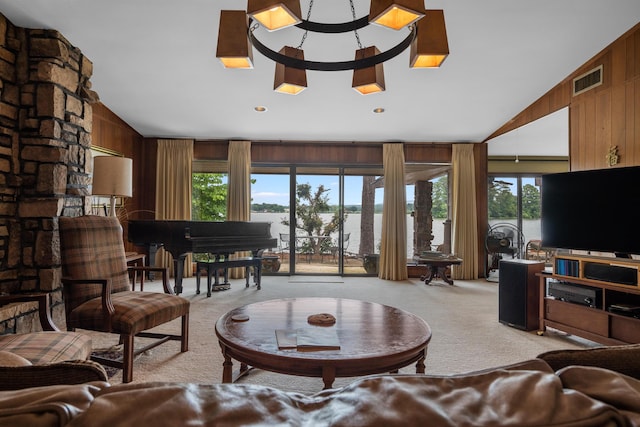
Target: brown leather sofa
column 567, row 388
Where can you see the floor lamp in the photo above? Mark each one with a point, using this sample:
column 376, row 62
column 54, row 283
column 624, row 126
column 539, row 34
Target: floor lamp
column 112, row 178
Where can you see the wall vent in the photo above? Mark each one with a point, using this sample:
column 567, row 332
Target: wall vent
column 587, row 81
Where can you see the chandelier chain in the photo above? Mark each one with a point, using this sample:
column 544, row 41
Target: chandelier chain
column 304, row 36
column 355, row 32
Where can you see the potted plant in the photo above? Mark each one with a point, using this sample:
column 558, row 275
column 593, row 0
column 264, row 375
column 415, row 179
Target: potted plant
column 270, row 263
column 370, row 263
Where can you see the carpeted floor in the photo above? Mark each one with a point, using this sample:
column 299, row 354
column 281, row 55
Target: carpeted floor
column 114, row 353
column 466, row 334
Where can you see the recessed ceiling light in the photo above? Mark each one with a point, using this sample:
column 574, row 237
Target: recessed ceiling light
column 260, row 109
column 378, row 110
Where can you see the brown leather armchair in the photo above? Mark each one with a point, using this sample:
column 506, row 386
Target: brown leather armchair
column 97, row 291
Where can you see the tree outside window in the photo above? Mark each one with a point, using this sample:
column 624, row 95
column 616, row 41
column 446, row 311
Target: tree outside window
column 209, row 197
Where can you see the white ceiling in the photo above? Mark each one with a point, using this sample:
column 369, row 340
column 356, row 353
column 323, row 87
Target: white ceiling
column 548, row 136
column 155, row 67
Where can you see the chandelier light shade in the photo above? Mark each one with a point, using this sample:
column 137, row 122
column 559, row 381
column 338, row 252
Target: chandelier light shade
column 275, row 14
column 395, row 14
column 288, row 79
column 371, row 79
column 112, row 177
column 234, row 49
column 430, row 47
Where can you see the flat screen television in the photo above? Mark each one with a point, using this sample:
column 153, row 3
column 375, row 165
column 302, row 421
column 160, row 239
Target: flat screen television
column 594, row 210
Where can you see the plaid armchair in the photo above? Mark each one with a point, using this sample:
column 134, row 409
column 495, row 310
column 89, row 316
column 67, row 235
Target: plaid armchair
column 97, row 291
column 48, row 357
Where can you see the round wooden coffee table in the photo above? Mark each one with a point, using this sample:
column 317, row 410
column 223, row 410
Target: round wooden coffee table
column 373, row 338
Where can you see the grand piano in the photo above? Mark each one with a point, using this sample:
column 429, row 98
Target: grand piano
column 180, row 237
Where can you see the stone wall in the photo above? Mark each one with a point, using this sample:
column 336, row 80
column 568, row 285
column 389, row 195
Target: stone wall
column 422, row 219
column 45, row 140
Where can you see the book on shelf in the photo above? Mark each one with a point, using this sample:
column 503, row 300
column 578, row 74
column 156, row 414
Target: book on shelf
column 308, row 339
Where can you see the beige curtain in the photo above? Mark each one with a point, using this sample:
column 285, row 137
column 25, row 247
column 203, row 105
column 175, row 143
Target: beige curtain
column 239, row 189
column 465, row 221
column 173, row 190
column 393, row 246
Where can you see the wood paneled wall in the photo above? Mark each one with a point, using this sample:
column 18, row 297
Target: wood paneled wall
column 608, row 116
column 604, row 117
column 334, row 153
column 111, row 132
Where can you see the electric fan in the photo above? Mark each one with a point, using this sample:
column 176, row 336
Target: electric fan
column 503, row 239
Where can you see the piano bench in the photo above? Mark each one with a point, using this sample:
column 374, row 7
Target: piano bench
column 213, row 267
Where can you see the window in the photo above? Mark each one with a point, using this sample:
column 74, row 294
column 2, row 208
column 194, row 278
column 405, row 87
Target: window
column 516, row 200
column 208, row 196
column 349, row 219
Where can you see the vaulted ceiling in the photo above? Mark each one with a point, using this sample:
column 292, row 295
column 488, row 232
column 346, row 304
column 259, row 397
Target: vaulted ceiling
column 155, row 67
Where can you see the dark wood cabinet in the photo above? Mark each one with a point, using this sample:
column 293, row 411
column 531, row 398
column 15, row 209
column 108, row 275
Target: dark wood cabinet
column 518, row 293
column 600, row 323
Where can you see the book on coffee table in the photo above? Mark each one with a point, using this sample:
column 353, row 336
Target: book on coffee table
column 286, row 338
column 308, row 339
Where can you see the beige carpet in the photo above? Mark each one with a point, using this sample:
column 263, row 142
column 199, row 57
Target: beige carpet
column 466, row 334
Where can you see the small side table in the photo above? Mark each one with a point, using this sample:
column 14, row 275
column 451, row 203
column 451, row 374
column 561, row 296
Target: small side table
column 134, row 258
column 437, row 267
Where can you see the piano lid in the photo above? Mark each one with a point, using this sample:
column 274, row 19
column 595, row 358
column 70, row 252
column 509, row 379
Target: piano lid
column 146, row 231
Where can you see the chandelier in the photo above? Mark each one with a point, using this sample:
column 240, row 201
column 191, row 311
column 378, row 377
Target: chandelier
column 427, row 39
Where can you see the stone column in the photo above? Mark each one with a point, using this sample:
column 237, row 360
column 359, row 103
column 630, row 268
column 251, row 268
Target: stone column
column 45, row 141
column 422, row 219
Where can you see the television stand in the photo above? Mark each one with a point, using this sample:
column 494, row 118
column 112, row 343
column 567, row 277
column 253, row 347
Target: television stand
column 612, row 319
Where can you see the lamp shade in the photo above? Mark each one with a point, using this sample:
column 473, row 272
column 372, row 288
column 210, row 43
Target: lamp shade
column 234, row 49
column 112, row 176
column 275, row 14
column 395, row 14
column 430, row 46
column 288, row 79
column 371, row 79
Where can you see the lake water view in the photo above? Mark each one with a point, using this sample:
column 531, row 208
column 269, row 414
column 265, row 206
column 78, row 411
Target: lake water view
column 351, row 225
column 531, row 228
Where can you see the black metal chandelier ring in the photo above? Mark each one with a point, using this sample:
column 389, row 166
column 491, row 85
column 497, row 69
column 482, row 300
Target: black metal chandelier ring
column 343, row 27
column 355, row 64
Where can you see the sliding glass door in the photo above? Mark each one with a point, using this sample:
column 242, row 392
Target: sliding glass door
column 316, row 222
column 270, row 202
column 514, row 221
column 323, row 224
column 325, row 220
